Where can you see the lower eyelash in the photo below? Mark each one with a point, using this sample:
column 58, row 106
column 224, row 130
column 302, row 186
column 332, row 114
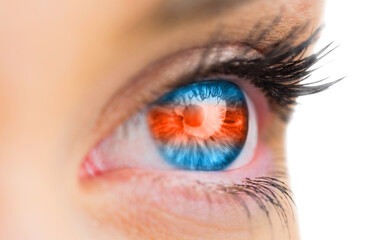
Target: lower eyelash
column 264, row 191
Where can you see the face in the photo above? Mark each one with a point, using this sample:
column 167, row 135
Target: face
column 159, row 119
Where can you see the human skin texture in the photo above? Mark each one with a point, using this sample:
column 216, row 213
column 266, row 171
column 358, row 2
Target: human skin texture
column 65, row 69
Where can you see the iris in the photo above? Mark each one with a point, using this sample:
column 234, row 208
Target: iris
column 201, row 126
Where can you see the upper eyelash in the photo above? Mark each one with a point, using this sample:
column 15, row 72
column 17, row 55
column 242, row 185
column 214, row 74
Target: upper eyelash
column 280, row 73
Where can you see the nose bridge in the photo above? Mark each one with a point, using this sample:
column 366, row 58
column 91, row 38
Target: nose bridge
column 31, row 205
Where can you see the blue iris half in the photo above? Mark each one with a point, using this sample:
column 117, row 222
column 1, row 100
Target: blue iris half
column 218, row 151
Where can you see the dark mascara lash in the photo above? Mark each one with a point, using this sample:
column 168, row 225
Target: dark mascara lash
column 281, row 72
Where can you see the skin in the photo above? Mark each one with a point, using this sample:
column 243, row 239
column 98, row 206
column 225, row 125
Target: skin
column 61, row 65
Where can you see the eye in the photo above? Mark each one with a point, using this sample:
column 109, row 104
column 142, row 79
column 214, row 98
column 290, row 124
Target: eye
column 202, row 126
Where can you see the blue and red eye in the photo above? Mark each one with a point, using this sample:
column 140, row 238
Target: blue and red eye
column 202, row 126
column 210, row 125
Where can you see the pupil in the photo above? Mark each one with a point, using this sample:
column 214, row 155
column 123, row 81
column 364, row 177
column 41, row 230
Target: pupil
column 193, row 115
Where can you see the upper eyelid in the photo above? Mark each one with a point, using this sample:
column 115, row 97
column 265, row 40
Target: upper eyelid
column 159, row 70
column 212, row 52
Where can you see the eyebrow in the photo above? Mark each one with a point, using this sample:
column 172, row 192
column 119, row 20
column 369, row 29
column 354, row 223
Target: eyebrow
column 175, row 11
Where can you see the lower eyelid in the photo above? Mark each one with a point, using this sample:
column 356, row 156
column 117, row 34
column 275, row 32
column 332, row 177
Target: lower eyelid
column 163, row 208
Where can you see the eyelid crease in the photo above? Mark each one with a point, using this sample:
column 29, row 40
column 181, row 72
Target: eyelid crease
column 174, row 11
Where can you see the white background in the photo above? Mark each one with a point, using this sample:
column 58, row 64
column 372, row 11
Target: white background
column 334, row 137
